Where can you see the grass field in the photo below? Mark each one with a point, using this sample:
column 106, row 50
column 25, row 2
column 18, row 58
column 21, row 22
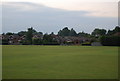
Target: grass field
column 60, row 62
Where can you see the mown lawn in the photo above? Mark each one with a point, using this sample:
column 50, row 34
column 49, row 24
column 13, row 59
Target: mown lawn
column 59, row 62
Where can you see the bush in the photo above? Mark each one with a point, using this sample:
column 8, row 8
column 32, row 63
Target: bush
column 110, row 40
column 25, row 42
column 86, row 44
column 37, row 42
column 45, row 42
column 5, row 41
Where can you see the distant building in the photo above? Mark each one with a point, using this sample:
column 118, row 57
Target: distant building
column 67, row 40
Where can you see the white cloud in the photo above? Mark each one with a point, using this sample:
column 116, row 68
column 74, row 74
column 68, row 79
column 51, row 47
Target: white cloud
column 101, row 9
column 21, row 6
column 108, row 9
column 97, row 8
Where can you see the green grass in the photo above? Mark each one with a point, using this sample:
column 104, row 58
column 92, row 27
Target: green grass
column 60, row 62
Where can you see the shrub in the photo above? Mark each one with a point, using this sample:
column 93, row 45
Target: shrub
column 86, row 44
column 110, row 40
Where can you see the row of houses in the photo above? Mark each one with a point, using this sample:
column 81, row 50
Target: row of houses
column 16, row 39
column 72, row 40
column 12, row 39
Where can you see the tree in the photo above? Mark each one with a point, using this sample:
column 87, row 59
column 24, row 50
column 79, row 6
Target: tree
column 9, row 33
column 72, row 32
column 47, row 38
column 103, row 32
column 60, row 33
column 40, row 33
column 64, row 32
column 83, row 34
column 3, row 33
column 99, row 32
column 112, row 32
column 52, row 33
column 117, row 29
column 37, row 42
column 29, row 35
column 21, row 33
column 5, row 41
column 110, row 40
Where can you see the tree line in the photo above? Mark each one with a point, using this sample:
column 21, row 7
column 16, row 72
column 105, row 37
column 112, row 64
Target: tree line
column 107, row 38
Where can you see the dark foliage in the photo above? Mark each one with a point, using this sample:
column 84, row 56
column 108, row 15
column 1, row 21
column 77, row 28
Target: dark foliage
column 112, row 32
column 110, row 40
column 5, row 42
column 99, row 32
column 37, row 42
column 64, row 32
column 21, row 33
column 48, row 40
column 72, row 32
column 83, row 34
column 29, row 35
column 9, row 33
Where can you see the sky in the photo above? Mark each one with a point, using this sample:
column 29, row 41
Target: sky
column 52, row 15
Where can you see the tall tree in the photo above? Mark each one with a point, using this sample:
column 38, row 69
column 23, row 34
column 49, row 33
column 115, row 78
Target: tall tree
column 72, row 32
column 64, row 32
column 60, row 33
column 52, row 33
column 30, row 35
column 115, row 30
column 99, row 32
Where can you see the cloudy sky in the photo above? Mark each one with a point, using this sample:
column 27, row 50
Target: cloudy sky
column 53, row 15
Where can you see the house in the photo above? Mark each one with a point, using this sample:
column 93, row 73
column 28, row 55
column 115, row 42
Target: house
column 72, row 40
column 38, row 36
column 14, row 39
column 67, row 40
